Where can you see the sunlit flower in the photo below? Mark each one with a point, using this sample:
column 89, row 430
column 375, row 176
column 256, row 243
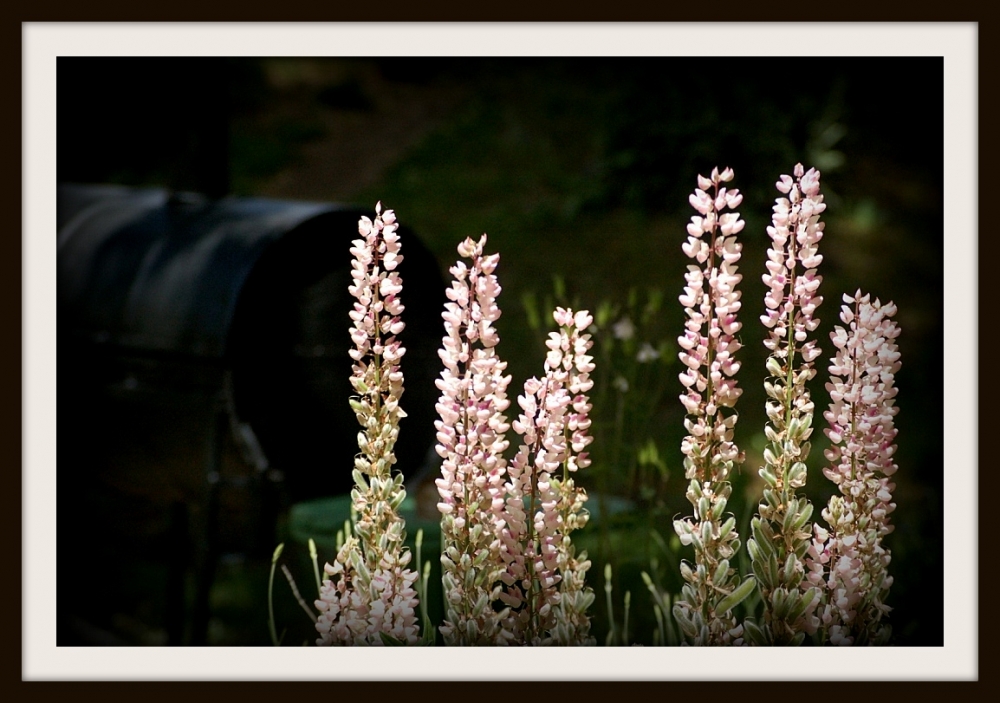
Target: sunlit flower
column 471, row 440
column 708, row 348
column 849, row 560
column 369, row 592
column 545, row 579
column 782, row 530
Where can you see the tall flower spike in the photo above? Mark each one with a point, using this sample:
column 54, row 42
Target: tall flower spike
column 545, row 578
column 369, row 592
column 849, row 561
column 471, row 441
column 781, row 531
column 708, row 346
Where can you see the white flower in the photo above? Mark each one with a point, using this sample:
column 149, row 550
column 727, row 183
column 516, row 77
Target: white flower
column 623, row 329
column 647, row 353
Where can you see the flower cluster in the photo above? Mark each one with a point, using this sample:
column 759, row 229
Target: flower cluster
column 510, row 573
column 708, row 346
column 369, row 594
column 848, row 561
column 792, row 259
column 781, row 532
column 545, row 578
column 471, row 441
column 361, row 606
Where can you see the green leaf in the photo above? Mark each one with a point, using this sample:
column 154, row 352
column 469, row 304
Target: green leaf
column 789, row 570
column 807, row 599
column 390, row 641
column 359, row 480
column 764, row 545
column 790, row 515
column 774, row 367
column 803, row 516
column 737, row 596
column 755, row 634
column 727, row 527
column 721, row 573
column 530, row 304
column 559, row 287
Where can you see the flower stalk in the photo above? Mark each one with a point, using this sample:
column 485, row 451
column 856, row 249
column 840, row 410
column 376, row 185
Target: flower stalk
column 368, row 596
column 781, row 530
column 711, row 300
column 510, row 573
column 471, row 441
column 545, row 578
column 849, row 561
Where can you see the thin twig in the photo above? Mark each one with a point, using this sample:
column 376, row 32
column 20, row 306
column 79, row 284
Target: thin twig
column 295, row 591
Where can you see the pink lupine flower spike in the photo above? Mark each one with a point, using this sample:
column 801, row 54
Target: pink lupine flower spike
column 368, row 594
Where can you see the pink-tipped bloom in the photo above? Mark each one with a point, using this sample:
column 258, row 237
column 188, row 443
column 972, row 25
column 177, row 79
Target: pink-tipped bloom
column 471, row 441
column 545, row 578
column 849, row 561
column 791, row 278
column 370, row 592
column 782, row 530
column 708, row 348
column 357, row 605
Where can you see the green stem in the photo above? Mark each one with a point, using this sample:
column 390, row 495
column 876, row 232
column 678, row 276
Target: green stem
column 628, row 603
column 854, row 406
column 270, row 595
column 529, row 547
column 611, row 640
column 790, row 374
column 315, row 560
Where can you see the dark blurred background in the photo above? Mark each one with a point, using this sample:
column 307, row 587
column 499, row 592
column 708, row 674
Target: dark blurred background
column 579, row 170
